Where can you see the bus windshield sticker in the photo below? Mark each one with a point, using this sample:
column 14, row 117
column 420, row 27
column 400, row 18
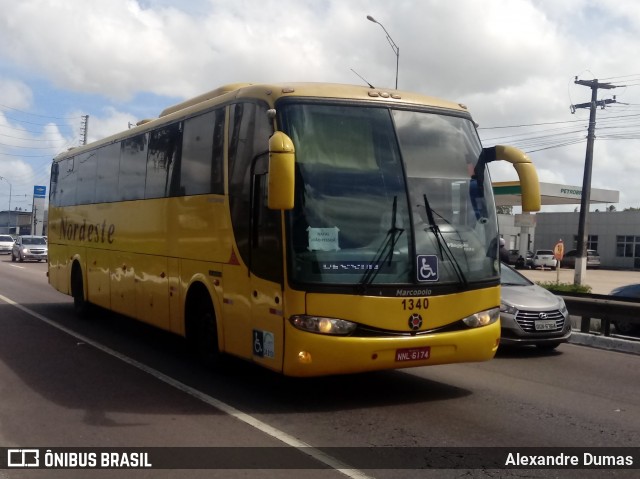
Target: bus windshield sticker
column 427, row 267
column 263, row 344
column 323, row 239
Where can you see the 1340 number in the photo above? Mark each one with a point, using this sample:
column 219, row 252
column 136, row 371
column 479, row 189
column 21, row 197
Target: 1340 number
column 415, row 303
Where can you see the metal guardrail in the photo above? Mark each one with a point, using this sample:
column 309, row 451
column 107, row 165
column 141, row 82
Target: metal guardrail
column 601, row 306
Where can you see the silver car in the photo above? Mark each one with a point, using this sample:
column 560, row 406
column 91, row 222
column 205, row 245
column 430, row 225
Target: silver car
column 529, row 314
column 30, row 248
column 569, row 259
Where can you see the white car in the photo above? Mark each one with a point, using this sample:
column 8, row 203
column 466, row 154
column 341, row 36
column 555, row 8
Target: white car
column 544, row 258
column 6, row 244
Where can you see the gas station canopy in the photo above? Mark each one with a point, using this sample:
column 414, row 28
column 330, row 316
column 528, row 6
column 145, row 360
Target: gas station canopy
column 508, row 193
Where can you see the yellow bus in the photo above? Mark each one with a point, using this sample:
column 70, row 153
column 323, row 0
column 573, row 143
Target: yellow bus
column 313, row 229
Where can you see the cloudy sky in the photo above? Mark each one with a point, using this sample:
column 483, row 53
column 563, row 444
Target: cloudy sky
column 512, row 62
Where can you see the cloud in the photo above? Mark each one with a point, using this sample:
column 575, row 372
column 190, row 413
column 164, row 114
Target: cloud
column 511, row 61
column 14, row 94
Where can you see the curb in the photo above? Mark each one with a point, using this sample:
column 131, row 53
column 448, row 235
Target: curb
column 605, row 342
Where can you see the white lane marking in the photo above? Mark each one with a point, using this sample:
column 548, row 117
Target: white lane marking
column 222, row 406
column 16, row 266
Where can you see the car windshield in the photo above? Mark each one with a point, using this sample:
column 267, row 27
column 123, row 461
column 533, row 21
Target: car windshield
column 34, row 241
column 512, row 278
column 6, row 238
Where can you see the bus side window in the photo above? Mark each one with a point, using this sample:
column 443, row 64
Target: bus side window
column 201, row 167
column 133, row 168
column 86, row 179
column 164, row 149
column 107, row 173
column 53, row 185
column 66, row 182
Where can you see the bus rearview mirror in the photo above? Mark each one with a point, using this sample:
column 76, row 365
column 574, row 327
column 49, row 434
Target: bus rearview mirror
column 281, row 172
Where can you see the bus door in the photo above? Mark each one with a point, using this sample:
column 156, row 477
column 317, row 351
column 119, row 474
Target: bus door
column 253, row 309
column 266, row 272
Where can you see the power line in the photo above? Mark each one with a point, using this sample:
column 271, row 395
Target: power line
column 529, row 124
column 31, row 139
column 18, row 120
column 40, row 116
column 30, row 147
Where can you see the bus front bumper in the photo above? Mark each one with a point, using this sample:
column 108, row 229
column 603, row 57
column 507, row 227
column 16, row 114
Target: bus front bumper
column 310, row 354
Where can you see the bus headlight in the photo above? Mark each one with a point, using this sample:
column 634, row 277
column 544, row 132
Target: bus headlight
column 318, row 324
column 483, row 318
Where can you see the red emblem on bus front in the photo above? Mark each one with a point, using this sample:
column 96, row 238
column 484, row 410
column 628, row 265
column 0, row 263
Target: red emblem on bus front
column 415, row 322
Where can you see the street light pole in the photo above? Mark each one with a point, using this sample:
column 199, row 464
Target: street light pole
column 394, row 47
column 9, row 219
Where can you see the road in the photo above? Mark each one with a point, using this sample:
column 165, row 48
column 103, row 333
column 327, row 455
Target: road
column 111, row 382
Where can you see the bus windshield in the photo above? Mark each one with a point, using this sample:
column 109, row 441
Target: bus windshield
column 388, row 197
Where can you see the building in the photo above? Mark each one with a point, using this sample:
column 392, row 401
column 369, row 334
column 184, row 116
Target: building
column 16, row 222
column 615, row 235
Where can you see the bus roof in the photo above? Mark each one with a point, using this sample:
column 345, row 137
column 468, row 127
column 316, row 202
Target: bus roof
column 271, row 93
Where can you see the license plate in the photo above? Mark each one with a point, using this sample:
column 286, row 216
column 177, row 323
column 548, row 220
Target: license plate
column 413, row 354
column 545, row 325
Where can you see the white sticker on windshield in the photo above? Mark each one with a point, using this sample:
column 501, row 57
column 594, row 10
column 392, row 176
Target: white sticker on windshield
column 323, row 239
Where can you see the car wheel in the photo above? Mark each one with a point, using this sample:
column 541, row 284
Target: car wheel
column 13, row 258
column 21, row 259
column 625, row 327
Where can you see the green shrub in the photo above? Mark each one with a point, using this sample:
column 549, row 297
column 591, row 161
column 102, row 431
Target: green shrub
column 564, row 287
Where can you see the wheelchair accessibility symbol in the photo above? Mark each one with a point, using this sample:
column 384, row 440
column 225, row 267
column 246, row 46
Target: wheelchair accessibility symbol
column 427, row 267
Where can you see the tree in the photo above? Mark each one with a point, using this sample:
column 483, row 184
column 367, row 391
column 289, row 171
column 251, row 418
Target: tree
column 504, row 210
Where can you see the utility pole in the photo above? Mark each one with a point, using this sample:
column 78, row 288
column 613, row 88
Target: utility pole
column 84, row 129
column 581, row 258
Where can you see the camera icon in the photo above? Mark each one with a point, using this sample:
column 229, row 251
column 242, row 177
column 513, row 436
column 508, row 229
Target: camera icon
column 23, row 458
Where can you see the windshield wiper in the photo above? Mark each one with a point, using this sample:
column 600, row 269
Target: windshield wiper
column 385, row 251
column 445, row 249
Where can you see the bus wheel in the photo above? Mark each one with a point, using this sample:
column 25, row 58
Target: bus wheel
column 202, row 332
column 80, row 305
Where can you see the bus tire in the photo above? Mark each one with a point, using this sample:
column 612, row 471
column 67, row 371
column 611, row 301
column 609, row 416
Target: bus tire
column 202, row 330
column 80, row 305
